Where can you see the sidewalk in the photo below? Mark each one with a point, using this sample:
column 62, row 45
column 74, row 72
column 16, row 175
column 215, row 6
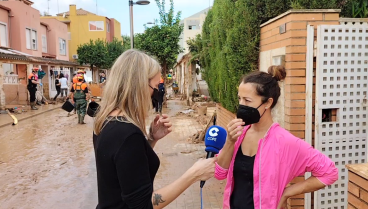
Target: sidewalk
column 177, row 155
column 6, row 120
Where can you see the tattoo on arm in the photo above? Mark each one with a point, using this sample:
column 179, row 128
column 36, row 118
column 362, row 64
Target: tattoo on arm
column 157, row 199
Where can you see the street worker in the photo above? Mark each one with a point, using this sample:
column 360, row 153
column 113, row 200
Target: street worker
column 256, row 143
column 80, row 95
column 32, row 87
column 125, row 160
column 79, row 72
column 74, row 81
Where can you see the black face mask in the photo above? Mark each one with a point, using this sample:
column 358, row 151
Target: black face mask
column 155, row 97
column 249, row 115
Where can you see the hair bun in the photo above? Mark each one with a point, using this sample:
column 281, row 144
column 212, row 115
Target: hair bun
column 277, row 71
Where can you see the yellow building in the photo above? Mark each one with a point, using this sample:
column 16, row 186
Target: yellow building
column 84, row 26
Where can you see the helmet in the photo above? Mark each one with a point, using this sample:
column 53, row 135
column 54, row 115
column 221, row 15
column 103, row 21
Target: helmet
column 35, row 69
column 80, row 77
column 80, row 71
column 161, row 80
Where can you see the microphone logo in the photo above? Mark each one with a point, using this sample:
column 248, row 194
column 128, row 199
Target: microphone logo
column 213, row 132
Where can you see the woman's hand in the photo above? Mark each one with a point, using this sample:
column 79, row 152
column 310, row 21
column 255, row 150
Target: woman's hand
column 204, row 169
column 160, row 127
column 234, row 129
column 283, row 201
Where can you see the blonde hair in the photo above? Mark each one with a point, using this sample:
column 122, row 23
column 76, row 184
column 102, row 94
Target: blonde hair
column 126, row 89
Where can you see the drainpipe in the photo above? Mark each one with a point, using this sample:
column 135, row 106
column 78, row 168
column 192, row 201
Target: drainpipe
column 9, row 28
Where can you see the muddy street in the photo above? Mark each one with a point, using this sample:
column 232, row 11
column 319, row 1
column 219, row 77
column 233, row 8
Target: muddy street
column 48, row 162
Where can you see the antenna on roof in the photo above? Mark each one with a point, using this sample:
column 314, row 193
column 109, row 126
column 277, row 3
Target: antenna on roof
column 96, row 8
column 48, row 7
column 58, row 5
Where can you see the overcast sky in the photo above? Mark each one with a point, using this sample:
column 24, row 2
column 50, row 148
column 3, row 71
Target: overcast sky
column 119, row 9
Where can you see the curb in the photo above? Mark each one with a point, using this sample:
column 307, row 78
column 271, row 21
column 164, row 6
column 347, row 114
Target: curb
column 28, row 117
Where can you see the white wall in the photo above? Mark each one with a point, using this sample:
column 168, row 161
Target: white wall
column 265, row 58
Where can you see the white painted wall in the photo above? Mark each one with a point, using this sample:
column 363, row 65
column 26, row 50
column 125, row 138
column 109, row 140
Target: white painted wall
column 265, row 58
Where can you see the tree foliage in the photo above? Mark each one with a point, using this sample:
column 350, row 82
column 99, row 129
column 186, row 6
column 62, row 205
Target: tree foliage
column 228, row 46
column 100, row 53
column 162, row 40
column 126, row 42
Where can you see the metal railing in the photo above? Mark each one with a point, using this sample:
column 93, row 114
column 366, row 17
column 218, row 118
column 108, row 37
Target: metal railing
column 11, row 79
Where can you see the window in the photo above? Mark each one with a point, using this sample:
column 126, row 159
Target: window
column 108, row 27
column 31, row 39
column 192, row 27
column 96, row 25
column 3, row 35
column 62, row 45
column 44, row 44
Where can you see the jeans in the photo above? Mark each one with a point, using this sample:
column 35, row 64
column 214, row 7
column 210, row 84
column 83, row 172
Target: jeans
column 64, row 91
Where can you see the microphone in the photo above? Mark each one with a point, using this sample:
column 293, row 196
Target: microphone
column 214, row 141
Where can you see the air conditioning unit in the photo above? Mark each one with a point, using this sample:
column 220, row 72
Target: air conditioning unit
column 75, row 56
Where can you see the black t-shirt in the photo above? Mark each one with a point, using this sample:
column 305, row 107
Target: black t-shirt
column 56, row 84
column 30, row 84
column 102, row 79
column 242, row 196
column 126, row 167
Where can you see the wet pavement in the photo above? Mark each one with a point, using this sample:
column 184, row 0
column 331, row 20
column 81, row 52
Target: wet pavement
column 47, row 161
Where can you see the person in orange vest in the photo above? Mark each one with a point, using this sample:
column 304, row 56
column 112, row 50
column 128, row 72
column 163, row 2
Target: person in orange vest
column 79, row 94
column 79, row 72
column 32, row 87
column 75, row 80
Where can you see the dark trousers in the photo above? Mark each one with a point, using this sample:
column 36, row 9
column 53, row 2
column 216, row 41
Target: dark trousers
column 57, row 93
column 32, row 94
column 159, row 106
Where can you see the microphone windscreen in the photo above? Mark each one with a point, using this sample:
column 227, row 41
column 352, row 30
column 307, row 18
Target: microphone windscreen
column 215, row 139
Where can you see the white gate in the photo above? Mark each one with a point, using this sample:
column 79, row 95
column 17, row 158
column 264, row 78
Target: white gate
column 341, row 104
column 53, row 73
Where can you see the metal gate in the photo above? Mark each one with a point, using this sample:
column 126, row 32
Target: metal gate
column 341, row 104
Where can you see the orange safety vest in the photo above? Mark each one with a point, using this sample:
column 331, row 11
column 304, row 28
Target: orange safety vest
column 80, row 86
column 32, row 75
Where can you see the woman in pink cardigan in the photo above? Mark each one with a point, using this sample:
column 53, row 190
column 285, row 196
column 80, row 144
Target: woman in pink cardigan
column 260, row 158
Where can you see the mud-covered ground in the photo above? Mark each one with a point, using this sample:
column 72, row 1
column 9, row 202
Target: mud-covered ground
column 48, row 162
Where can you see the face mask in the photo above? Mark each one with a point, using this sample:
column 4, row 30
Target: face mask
column 155, row 97
column 249, row 115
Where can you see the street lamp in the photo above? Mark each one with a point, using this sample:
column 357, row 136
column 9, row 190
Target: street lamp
column 131, row 3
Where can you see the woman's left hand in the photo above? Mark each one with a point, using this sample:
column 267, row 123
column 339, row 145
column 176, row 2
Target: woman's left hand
column 160, row 127
column 282, row 203
column 285, row 196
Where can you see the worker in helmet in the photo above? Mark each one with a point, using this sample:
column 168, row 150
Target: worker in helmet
column 79, row 94
column 32, row 87
column 74, row 81
column 79, row 72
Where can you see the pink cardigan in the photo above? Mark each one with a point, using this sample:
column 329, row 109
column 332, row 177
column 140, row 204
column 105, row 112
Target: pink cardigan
column 280, row 158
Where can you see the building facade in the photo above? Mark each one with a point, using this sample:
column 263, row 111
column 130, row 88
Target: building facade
column 192, row 27
column 27, row 41
column 84, row 26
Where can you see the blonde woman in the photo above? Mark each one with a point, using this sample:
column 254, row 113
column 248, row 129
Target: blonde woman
column 126, row 162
